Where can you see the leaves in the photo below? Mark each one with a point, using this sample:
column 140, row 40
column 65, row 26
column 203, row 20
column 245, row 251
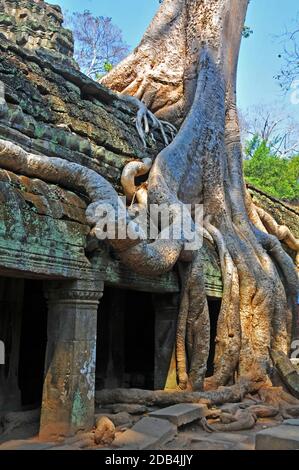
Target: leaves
column 275, row 175
column 247, row 32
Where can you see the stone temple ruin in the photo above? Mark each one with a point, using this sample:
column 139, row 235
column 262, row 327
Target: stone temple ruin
column 73, row 318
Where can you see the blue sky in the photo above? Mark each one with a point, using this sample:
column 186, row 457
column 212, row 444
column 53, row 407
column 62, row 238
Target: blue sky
column 259, row 61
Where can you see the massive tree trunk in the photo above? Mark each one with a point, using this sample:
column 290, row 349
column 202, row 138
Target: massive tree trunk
column 163, row 70
column 185, row 70
column 154, row 72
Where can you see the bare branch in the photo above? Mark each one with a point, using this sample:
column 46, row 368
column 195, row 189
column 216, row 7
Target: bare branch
column 98, row 42
column 290, row 68
column 273, row 125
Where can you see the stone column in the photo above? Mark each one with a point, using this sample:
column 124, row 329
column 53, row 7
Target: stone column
column 69, row 386
column 166, row 312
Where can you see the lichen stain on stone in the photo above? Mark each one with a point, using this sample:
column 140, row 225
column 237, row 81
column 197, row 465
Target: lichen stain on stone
column 78, row 410
column 65, row 388
column 87, row 372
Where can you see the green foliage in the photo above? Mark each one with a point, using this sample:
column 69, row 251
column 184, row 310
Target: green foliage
column 247, row 32
column 275, row 175
column 107, row 66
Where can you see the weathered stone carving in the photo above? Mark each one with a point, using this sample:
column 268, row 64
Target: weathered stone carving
column 35, row 24
column 69, row 388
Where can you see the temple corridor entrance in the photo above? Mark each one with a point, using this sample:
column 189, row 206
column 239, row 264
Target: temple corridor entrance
column 23, row 330
column 33, row 343
column 135, row 330
column 214, row 310
column 139, row 340
column 126, row 340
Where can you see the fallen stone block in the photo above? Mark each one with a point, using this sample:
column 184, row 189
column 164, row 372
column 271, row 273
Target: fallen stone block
column 278, row 438
column 148, row 433
column 28, row 446
column 133, row 440
column 37, row 446
column 291, row 422
column 66, row 447
column 181, row 414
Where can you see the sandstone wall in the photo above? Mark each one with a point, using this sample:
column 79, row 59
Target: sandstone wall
column 35, row 24
column 283, row 213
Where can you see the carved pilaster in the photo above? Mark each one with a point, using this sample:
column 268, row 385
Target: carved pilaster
column 68, row 394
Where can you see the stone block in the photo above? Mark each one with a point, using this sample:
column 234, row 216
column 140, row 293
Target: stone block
column 66, row 447
column 27, row 445
column 133, row 440
column 278, row 438
column 148, row 433
column 181, row 414
column 291, row 422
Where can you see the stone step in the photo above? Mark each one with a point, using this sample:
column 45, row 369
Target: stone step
column 148, row 433
column 283, row 437
column 65, row 447
column 27, row 445
column 292, row 422
column 181, row 414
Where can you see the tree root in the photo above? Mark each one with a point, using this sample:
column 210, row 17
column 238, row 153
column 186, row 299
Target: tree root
column 282, row 232
column 287, row 372
column 228, row 341
column 264, row 411
column 131, row 171
column 277, row 397
column 193, row 329
column 288, row 411
column 216, row 420
column 205, row 425
column 244, row 418
column 241, row 421
column 232, row 394
column 154, row 258
column 146, row 122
